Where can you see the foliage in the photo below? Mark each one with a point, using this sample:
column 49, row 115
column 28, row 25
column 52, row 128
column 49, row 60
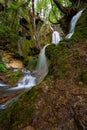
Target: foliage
column 51, row 11
column 32, row 63
column 15, row 75
column 14, row 5
column 58, row 59
column 2, row 65
column 83, row 77
column 23, row 110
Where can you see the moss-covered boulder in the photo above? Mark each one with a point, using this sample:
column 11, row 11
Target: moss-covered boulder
column 20, row 111
column 58, row 56
column 59, row 103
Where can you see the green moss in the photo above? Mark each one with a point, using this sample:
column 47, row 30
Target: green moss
column 58, row 56
column 20, row 111
column 31, row 62
column 83, row 77
column 15, row 75
column 25, row 47
column 2, row 65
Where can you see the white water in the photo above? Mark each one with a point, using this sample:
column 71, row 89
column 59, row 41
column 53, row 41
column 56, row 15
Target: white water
column 73, row 23
column 3, row 85
column 55, row 37
column 29, row 80
column 19, row 46
column 51, row 28
column 42, row 65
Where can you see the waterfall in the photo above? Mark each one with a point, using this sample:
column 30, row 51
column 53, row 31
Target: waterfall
column 55, row 37
column 3, row 85
column 42, row 65
column 29, row 80
column 19, row 46
column 73, row 23
column 51, row 28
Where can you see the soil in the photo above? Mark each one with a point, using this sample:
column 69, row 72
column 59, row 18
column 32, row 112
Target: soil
column 62, row 103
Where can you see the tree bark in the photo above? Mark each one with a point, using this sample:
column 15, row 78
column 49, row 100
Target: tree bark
column 69, row 10
column 60, row 6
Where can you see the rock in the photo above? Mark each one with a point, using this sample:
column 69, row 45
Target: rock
column 28, row 128
column 15, row 64
column 12, row 62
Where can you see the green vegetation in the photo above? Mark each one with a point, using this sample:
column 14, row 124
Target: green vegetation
column 14, row 76
column 83, row 77
column 32, row 63
column 58, row 59
column 2, row 65
column 67, row 62
column 19, row 111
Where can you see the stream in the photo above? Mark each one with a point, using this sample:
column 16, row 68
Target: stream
column 30, row 80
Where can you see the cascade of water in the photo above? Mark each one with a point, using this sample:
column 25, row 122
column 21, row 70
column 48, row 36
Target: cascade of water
column 19, row 46
column 73, row 23
column 55, row 37
column 2, row 85
column 51, row 28
column 29, row 80
column 42, row 65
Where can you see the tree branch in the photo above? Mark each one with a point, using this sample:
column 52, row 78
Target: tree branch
column 61, row 7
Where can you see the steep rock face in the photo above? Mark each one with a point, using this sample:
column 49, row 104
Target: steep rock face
column 59, row 102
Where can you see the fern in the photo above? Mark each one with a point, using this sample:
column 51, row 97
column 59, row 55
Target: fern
column 2, row 67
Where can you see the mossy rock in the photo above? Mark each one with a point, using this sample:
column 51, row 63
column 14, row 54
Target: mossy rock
column 20, row 111
column 58, row 56
column 83, row 77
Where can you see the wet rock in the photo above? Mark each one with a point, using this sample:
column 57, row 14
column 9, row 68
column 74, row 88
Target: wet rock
column 12, row 62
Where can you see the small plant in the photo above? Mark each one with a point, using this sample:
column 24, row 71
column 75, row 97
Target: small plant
column 15, row 75
column 2, row 67
column 32, row 63
column 83, row 77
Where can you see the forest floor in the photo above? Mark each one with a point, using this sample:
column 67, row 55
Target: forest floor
column 61, row 103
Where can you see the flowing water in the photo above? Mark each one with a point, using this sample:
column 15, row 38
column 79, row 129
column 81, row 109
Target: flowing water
column 19, row 46
column 26, row 82
column 42, row 65
column 3, row 85
column 73, row 23
column 56, row 37
column 29, row 80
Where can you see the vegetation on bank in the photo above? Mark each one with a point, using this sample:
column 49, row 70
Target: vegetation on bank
column 20, row 111
column 68, row 59
column 64, row 62
column 2, row 65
